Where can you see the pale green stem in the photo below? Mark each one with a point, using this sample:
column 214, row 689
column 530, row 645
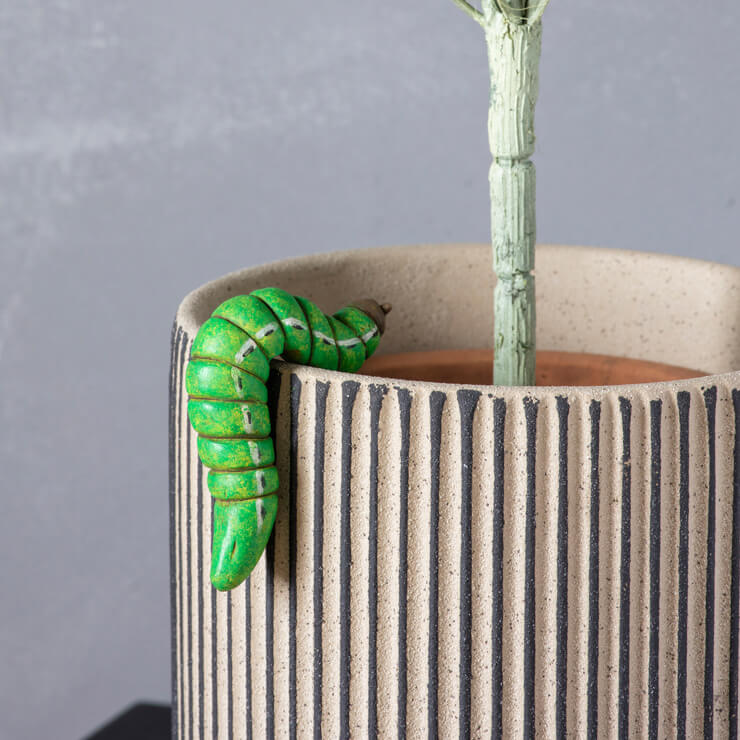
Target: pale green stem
column 474, row 13
column 514, row 39
column 514, row 55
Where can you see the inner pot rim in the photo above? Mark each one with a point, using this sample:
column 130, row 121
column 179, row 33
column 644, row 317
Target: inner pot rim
column 513, row 392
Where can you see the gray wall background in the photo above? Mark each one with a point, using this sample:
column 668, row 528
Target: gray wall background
column 148, row 147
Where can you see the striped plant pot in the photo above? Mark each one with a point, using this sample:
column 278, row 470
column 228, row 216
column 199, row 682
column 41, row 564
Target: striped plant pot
column 460, row 561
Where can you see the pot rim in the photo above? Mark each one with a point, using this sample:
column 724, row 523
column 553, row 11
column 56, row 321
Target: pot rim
column 197, row 302
column 306, row 372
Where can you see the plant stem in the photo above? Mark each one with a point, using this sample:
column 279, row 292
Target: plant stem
column 514, row 55
column 473, row 12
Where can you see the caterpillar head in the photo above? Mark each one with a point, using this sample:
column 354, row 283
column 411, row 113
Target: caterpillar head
column 374, row 310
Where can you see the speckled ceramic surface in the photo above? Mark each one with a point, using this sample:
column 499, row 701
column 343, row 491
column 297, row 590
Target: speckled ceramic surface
column 531, row 561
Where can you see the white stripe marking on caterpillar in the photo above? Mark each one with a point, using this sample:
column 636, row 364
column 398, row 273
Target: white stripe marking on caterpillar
column 349, row 342
column 237, row 381
column 260, row 512
column 254, row 448
column 368, row 335
column 265, row 331
column 247, row 414
column 246, row 349
column 295, row 324
column 324, row 338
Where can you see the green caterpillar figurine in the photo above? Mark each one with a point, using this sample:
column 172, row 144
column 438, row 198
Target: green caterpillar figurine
column 227, row 405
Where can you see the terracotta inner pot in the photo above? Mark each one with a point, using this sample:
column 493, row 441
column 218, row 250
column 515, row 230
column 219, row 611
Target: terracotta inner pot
column 475, row 367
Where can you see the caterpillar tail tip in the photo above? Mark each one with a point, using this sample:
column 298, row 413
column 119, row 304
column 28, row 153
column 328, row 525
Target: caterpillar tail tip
column 241, row 530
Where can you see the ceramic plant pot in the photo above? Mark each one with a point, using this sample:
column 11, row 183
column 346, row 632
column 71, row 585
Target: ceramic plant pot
column 465, row 560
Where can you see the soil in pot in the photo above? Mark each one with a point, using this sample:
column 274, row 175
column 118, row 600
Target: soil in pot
column 475, row 367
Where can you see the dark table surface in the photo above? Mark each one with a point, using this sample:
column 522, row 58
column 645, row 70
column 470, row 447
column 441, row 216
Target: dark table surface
column 138, row 722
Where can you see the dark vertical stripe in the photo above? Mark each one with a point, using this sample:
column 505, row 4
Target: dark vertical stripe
column 467, row 401
column 561, row 655
column 230, row 666
column 735, row 588
column 625, row 408
column 295, row 401
column 499, row 427
column 710, row 400
column 181, row 541
column 349, row 394
column 321, row 392
column 404, row 403
column 273, row 400
column 175, row 399
column 201, row 622
column 377, row 393
column 656, row 408
column 684, row 404
column 188, row 578
column 592, row 709
column 214, row 648
column 531, row 407
column 436, row 405
column 270, row 637
column 248, row 655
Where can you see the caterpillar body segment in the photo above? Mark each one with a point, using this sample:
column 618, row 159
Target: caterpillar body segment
column 292, row 321
column 231, row 454
column 362, row 326
column 350, row 348
column 216, row 380
column 239, row 527
column 227, row 405
column 219, row 339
